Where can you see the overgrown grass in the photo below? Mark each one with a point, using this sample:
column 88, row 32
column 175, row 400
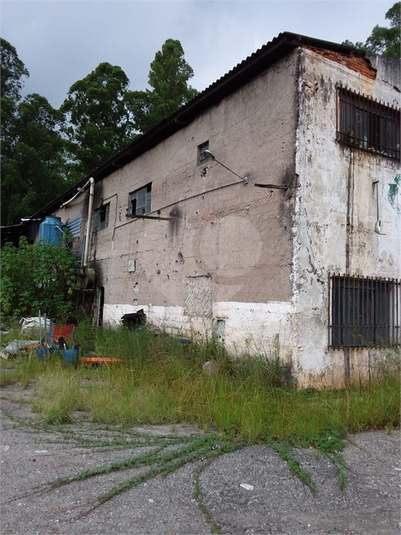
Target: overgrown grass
column 160, row 380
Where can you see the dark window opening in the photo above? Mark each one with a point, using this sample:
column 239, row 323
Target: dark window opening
column 364, row 312
column 367, row 124
column 139, row 202
column 102, row 217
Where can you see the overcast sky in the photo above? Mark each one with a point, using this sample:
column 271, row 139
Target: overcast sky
column 61, row 41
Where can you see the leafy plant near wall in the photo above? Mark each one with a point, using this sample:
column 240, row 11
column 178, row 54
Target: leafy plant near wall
column 37, row 277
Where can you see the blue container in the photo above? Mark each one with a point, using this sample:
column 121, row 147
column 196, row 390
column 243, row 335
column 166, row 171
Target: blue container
column 70, row 356
column 50, row 230
column 41, row 353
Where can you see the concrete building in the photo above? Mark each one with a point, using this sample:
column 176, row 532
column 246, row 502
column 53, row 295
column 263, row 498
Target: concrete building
column 266, row 211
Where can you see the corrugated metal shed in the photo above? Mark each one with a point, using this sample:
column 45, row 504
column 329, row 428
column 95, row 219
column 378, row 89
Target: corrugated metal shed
column 74, row 226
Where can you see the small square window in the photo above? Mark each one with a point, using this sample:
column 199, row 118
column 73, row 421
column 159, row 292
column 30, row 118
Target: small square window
column 102, row 217
column 203, row 156
column 139, row 201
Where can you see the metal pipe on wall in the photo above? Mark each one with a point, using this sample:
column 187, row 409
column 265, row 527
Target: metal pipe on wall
column 89, row 222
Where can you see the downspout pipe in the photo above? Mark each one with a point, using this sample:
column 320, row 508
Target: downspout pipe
column 91, row 183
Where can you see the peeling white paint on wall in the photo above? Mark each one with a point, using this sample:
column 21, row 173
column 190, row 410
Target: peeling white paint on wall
column 252, row 328
column 325, row 168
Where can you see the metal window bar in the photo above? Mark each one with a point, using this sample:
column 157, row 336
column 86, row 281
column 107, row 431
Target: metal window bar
column 368, row 124
column 364, row 312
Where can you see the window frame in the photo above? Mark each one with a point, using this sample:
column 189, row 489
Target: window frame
column 364, row 312
column 202, row 147
column 144, row 194
column 367, row 124
column 101, row 216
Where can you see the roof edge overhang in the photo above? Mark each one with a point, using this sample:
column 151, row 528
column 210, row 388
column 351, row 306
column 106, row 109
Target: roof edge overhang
column 258, row 62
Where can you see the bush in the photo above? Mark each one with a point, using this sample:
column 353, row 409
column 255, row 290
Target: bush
column 37, row 277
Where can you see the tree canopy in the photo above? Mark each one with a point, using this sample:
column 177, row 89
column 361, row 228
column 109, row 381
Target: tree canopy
column 33, row 167
column 13, row 71
column 45, row 150
column 99, row 121
column 168, row 77
column 32, row 149
column 383, row 40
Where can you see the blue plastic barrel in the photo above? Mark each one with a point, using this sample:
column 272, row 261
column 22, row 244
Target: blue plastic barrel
column 50, row 230
column 70, row 356
column 41, row 353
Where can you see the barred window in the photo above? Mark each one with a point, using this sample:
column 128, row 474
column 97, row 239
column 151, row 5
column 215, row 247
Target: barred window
column 364, row 312
column 102, row 217
column 139, row 201
column 367, row 124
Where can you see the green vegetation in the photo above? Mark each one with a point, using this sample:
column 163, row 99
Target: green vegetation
column 37, row 277
column 160, row 380
column 169, row 77
column 384, row 40
column 45, row 150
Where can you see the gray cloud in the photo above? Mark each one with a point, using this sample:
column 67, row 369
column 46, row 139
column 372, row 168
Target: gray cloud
column 61, row 41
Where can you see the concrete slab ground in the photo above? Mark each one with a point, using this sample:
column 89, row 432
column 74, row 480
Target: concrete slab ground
column 251, row 491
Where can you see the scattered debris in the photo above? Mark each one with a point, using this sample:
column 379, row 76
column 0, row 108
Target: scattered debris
column 95, row 361
column 3, row 329
column 16, row 345
column 34, row 324
column 134, row 319
column 210, row 367
column 246, row 486
column 60, row 331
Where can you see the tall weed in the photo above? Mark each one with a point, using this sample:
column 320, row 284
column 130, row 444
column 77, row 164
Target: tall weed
column 160, row 379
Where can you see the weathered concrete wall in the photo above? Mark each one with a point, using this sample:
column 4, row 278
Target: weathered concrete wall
column 223, row 262
column 251, row 264
column 335, row 188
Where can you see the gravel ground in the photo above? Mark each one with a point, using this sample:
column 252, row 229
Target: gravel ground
column 272, row 501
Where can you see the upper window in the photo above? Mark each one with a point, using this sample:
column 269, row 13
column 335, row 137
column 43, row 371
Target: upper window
column 203, row 156
column 364, row 312
column 367, row 124
column 102, row 217
column 139, row 201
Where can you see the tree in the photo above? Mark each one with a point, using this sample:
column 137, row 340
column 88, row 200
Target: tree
column 99, row 120
column 382, row 40
column 32, row 162
column 33, row 166
column 386, row 41
column 168, row 77
column 12, row 73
